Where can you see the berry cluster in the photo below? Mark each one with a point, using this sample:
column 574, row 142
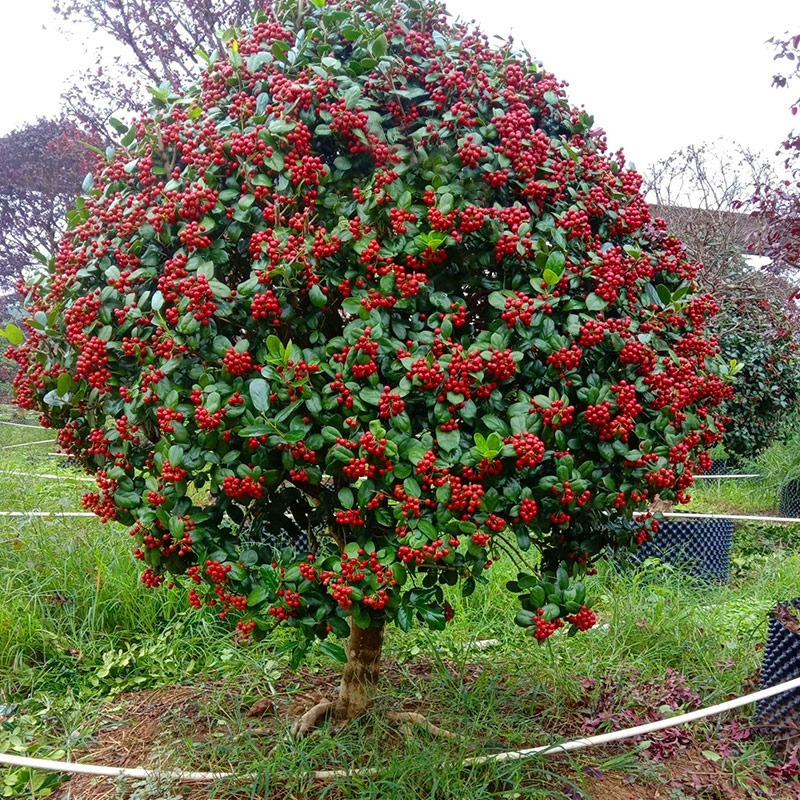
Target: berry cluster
column 238, row 363
column 583, row 619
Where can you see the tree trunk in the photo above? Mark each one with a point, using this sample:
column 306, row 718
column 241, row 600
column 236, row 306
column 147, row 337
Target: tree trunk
column 361, row 672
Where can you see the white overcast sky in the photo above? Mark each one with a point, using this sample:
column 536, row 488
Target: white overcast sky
column 656, row 76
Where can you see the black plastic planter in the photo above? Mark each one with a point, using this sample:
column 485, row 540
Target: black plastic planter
column 700, row 547
column 719, row 466
column 789, row 505
column 778, row 717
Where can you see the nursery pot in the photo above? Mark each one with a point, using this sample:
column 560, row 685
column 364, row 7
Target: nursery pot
column 778, row 717
column 700, row 547
column 789, row 505
column 719, row 466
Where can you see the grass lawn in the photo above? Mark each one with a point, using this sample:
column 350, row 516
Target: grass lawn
column 95, row 667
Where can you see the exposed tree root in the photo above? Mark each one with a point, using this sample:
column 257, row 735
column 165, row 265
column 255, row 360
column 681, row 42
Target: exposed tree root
column 404, row 720
column 408, row 719
column 312, row 718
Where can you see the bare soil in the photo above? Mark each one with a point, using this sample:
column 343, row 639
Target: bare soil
column 141, row 729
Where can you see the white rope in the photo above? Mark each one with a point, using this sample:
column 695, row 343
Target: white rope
column 26, row 444
column 20, row 425
column 649, row 727
column 47, row 514
column 514, row 755
column 48, row 477
column 745, row 475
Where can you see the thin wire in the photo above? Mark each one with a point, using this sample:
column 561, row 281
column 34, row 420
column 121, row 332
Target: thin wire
column 20, row 425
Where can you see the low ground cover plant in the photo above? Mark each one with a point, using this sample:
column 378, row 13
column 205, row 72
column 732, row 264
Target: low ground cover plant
column 363, row 310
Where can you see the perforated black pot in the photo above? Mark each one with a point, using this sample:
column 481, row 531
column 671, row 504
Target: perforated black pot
column 789, row 505
column 778, row 717
column 700, row 547
column 719, row 466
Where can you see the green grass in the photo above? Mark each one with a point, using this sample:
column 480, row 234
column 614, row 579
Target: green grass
column 77, row 628
column 746, row 495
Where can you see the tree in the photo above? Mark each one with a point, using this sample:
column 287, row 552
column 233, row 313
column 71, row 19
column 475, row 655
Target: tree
column 154, row 42
column 42, row 166
column 374, row 280
column 759, row 339
column 705, row 192
column 778, row 205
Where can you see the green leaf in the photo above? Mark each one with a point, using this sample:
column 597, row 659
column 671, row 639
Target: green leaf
column 555, row 262
column 176, row 453
column 360, row 616
column 259, row 394
column 524, row 618
column 433, row 617
column 63, row 384
column 127, row 499
column 664, row 294
column 448, row 440
column 551, row 611
column 352, row 305
column 14, row 335
column 275, row 346
column 280, row 49
column 405, row 618
column 329, row 648
column 219, row 289
column 399, row 572
column 412, row 488
column 256, row 430
column 550, row 277
column 380, row 46
column 258, row 595
column 595, row 302
column 352, row 96
column 317, row 296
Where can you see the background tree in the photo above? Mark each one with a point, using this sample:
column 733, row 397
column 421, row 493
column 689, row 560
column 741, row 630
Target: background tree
column 706, row 193
column 144, row 43
column 759, row 339
column 42, row 166
column 778, row 205
column 373, row 278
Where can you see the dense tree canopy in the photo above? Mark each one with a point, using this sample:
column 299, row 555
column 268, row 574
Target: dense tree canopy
column 759, row 340
column 371, row 278
column 42, row 166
